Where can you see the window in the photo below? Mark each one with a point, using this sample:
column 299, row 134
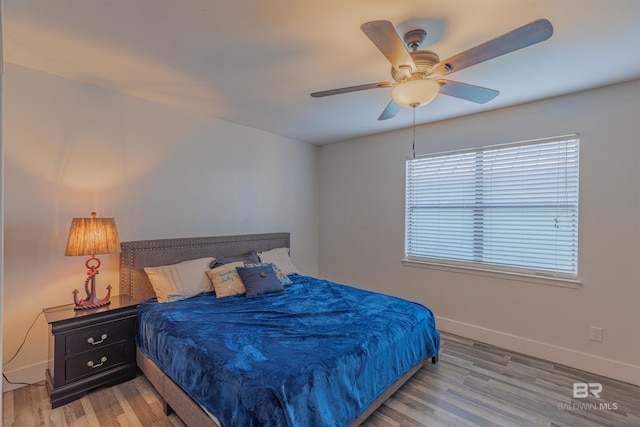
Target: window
column 510, row 207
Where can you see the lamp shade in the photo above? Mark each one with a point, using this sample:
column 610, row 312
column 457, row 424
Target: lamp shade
column 415, row 93
column 91, row 236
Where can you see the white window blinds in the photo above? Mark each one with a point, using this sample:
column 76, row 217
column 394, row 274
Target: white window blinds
column 512, row 206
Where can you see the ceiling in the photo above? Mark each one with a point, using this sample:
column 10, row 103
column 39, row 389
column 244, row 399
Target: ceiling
column 255, row 62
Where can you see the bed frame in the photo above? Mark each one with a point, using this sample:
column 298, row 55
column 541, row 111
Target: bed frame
column 135, row 256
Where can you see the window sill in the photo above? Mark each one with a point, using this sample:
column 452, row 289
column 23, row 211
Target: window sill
column 498, row 274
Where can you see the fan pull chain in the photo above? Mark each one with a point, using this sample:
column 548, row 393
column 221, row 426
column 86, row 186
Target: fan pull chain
column 414, row 133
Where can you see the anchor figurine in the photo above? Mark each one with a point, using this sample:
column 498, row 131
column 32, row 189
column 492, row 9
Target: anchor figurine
column 92, row 300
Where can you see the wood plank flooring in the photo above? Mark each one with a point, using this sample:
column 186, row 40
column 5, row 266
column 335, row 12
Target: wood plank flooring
column 473, row 384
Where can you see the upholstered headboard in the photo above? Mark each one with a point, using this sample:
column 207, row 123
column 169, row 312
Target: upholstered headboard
column 135, row 256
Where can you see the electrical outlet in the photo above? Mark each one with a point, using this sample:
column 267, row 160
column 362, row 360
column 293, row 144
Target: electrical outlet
column 595, row 334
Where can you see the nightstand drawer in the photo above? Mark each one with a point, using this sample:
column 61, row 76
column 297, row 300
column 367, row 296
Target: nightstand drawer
column 92, row 362
column 95, row 337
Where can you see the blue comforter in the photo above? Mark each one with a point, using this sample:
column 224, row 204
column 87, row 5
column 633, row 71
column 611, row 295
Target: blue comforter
column 315, row 355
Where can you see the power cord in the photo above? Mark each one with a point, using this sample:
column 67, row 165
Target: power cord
column 18, row 351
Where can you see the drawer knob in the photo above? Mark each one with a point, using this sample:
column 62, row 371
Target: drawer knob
column 94, row 342
column 93, row 365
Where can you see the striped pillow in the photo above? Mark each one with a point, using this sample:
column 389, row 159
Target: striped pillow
column 280, row 257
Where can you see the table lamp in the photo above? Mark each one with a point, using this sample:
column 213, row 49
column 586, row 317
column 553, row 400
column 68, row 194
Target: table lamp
column 91, row 236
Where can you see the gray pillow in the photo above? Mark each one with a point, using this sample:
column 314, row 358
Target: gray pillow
column 248, row 258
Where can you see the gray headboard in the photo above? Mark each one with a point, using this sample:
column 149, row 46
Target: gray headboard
column 135, row 256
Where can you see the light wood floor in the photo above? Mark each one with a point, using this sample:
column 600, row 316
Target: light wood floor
column 473, row 384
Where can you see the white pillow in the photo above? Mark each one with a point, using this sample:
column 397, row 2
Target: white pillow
column 179, row 281
column 279, row 257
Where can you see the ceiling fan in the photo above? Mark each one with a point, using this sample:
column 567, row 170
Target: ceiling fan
column 418, row 73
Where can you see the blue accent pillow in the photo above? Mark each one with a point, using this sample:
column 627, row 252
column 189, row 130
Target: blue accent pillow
column 259, row 280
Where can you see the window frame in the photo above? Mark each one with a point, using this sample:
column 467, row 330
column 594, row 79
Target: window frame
column 492, row 269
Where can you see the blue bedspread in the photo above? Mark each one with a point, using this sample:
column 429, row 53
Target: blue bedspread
column 315, row 355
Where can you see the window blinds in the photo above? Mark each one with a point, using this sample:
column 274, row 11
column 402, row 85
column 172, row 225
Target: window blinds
column 512, row 206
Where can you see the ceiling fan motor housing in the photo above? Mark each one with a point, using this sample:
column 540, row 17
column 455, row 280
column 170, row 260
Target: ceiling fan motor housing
column 424, row 61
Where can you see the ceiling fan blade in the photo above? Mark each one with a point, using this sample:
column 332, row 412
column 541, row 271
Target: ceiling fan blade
column 477, row 94
column 350, row 89
column 390, row 111
column 527, row 35
column 386, row 38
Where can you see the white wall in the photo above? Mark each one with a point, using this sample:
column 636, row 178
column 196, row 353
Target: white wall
column 362, row 232
column 71, row 148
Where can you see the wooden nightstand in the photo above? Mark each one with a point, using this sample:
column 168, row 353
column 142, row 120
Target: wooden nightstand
column 90, row 348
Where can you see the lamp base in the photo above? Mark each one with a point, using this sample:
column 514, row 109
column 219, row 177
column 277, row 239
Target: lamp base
column 92, row 301
column 87, row 305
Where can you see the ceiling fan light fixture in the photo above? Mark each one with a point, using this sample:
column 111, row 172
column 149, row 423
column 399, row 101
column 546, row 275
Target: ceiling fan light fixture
column 415, row 93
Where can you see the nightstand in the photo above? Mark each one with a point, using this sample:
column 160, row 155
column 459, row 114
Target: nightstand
column 90, row 348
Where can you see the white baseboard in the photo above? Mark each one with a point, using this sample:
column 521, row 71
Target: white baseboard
column 28, row 374
column 587, row 362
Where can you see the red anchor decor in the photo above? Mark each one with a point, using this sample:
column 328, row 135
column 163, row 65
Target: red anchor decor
column 92, row 300
column 91, row 236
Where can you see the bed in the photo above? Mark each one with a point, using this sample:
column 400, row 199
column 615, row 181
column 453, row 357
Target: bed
column 317, row 353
